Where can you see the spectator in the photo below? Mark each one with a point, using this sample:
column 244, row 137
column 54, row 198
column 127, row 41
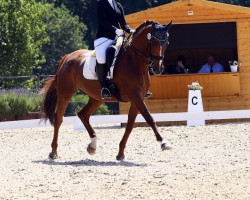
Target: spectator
column 211, row 66
column 179, row 68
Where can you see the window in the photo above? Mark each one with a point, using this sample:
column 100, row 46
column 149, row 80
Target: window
column 196, row 41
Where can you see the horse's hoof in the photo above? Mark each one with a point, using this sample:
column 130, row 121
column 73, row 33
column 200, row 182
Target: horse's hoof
column 91, row 150
column 120, row 157
column 165, row 146
column 53, row 155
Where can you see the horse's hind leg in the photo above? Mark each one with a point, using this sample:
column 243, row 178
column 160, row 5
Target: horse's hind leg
column 133, row 111
column 62, row 103
column 84, row 115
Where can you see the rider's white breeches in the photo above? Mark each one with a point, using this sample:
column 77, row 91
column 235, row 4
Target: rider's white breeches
column 101, row 46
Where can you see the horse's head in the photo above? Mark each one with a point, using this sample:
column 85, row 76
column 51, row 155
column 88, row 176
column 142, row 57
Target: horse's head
column 158, row 40
column 157, row 37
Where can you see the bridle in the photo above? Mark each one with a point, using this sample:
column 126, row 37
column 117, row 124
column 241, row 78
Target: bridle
column 161, row 37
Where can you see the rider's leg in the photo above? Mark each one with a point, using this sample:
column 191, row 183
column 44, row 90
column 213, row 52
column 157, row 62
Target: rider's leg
column 101, row 46
column 101, row 70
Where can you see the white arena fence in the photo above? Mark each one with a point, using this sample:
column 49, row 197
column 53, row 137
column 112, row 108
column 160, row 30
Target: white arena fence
column 109, row 119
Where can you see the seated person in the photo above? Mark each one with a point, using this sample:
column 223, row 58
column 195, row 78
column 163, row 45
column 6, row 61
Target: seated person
column 211, row 66
column 179, row 68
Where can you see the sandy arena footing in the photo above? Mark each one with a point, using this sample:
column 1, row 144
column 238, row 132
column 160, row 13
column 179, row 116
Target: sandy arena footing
column 211, row 162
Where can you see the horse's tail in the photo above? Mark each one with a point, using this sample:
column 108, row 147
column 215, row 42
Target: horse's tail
column 49, row 92
column 50, row 100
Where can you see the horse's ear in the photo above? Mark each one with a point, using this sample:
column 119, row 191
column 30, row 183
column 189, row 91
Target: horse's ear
column 154, row 26
column 168, row 26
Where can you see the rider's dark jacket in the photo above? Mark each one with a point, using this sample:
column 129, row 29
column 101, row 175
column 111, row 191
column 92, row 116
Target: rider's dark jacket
column 109, row 19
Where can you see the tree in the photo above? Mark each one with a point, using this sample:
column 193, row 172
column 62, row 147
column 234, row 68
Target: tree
column 66, row 34
column 85, row 9
column 22, row 34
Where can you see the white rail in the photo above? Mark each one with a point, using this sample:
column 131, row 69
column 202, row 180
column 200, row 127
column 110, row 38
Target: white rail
column 159, row 117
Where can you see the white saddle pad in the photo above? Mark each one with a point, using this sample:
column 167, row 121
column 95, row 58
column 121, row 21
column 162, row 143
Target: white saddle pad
column 89, row 69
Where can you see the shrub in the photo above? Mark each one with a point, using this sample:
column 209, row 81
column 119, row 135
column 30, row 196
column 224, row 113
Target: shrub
column 103, row 110
column 4, row 107
column 79, row 101
column 35, row 102
column 18, row 102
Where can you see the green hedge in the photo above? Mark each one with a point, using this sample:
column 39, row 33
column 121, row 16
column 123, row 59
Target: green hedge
column 19, row 102
column 79, row 101
column 16, row 104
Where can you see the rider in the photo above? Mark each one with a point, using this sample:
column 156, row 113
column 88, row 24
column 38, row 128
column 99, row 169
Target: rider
column 110, row 17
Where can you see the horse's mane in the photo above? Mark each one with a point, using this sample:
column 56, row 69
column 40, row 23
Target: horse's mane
column 142, row 26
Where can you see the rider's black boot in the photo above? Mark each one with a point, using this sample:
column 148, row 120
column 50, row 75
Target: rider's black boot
column 101, row 70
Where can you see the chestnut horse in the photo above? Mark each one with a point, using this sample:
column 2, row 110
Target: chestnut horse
column 131, row 75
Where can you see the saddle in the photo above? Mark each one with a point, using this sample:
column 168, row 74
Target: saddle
column 112, row 54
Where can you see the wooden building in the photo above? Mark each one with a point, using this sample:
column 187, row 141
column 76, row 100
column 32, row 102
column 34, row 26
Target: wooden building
column 201, row 27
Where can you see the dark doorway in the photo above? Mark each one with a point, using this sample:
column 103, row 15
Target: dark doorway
column 196, row 41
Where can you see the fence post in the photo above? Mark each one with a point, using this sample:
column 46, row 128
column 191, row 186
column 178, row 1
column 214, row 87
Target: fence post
column 38, row 82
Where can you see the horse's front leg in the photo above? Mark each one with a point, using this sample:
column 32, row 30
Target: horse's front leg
column 139, row 102
column 133, row 111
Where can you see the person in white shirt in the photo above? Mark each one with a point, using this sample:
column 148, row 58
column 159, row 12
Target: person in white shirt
column 211, row 66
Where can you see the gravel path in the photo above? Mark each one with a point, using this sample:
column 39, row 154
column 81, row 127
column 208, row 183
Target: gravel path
column 211, row 162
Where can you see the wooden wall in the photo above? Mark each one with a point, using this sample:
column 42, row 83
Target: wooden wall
column 203, row 14
column 175, row 86
column 243, row 29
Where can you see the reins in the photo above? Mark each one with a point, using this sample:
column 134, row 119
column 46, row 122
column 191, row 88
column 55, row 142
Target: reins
column 142, row 55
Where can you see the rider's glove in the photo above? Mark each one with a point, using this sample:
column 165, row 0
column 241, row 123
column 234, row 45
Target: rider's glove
column 119, row 32
column 131, row 31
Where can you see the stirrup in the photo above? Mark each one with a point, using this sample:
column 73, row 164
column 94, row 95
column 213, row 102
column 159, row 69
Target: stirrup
column 106, row 96
column 148, row 95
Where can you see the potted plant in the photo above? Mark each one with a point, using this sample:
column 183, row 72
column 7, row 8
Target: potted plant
column 195, row 86
column 234, row 65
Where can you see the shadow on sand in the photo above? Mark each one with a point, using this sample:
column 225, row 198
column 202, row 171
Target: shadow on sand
column 108, row 127
column 88, row 162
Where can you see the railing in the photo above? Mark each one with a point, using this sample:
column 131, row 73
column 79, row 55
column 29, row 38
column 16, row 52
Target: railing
column 36, row 78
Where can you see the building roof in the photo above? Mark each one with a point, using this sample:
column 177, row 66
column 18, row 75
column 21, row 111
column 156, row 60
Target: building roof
column 170, row 7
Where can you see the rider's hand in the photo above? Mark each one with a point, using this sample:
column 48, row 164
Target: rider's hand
column 180, row 64
column 119, row 32
column 131, row 31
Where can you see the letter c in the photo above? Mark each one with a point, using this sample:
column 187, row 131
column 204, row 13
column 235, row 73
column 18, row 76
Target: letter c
column 194, row 103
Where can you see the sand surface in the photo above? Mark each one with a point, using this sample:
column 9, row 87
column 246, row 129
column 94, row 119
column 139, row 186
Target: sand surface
column 211, row 162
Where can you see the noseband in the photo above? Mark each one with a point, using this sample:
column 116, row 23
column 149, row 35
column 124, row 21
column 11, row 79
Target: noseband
column 161, row 37
column 150, row 56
